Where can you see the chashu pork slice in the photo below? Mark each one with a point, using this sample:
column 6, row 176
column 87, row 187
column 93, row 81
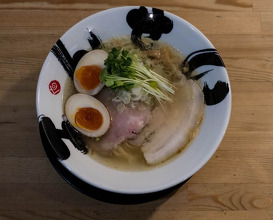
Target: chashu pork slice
column 124, row 125
column 171, row 129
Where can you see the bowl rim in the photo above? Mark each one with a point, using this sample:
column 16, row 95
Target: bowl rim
column 207, row 156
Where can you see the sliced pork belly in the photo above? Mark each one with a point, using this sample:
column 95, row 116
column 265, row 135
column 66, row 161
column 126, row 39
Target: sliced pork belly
column 124, row 125
column 171, row 128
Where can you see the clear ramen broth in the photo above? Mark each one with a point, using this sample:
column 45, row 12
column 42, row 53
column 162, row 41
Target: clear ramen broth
column 165, row 60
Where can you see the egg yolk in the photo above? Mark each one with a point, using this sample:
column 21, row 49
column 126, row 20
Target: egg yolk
column 89, row 76
column 89, row 118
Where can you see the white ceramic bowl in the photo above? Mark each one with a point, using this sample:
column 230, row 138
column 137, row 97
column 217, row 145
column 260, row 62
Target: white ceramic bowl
column 202, row 56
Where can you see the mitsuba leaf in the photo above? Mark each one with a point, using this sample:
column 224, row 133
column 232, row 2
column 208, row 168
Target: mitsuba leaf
column 103, row 75
column 124, row 71
column 153, row 84
column 119, row 83
column 109, row 82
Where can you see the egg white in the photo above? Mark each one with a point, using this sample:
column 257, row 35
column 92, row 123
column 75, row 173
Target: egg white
column 77, row 101
column 94, row 57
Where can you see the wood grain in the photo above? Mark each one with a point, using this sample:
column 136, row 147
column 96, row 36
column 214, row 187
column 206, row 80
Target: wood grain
column 194, row 5
column 159, row 215
column 262, row 5
column 236, row 183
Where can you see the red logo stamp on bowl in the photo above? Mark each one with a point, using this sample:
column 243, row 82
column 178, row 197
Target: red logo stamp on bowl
column 54, row 87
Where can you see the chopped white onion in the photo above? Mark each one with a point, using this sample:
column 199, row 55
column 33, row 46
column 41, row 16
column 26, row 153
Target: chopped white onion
column 121, row 107
column 136, row 90
column 116, row 99
column 125, row 97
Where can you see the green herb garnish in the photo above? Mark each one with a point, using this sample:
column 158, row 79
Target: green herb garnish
column 125, row 71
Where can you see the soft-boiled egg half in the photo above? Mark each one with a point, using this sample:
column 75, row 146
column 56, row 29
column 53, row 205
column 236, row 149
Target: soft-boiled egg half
column 87, row 72
column 87, row 114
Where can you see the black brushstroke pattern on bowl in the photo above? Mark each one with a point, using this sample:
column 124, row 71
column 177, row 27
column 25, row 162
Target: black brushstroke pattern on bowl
column 97, row 193
column 151, row 26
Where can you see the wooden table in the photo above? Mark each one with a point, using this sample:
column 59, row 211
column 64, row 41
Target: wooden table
column 236, row 183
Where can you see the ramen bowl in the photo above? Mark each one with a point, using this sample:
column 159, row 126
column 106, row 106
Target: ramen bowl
column 67, row 153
